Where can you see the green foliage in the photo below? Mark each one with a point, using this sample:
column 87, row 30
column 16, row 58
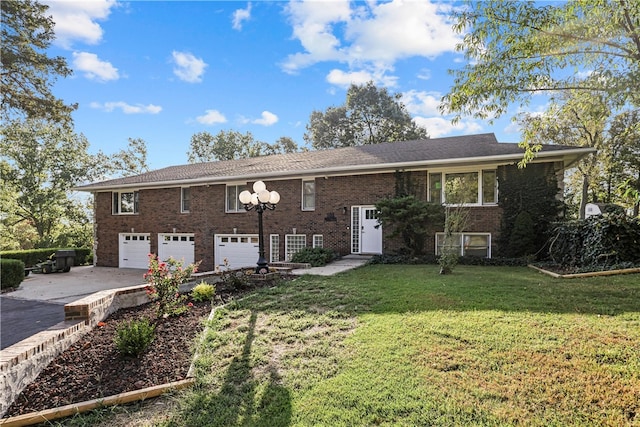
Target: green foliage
column 203, row 291
column 32, row 257
column 370, row 115
column 133, row 338
column 317, row 257
column 532, row 189
column 596, row 243
column 28, row 74
column 410, row 218
column 230, row 145
column 458, row 192
column 521, row 241
column 165, row 278
column 12, row 273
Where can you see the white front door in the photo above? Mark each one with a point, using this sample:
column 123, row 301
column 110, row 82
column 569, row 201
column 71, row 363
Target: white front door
column 370, row 235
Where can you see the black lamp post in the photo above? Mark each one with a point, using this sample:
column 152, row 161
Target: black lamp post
column 261, row 200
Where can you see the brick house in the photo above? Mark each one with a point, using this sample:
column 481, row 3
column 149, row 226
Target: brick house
column 327, row 199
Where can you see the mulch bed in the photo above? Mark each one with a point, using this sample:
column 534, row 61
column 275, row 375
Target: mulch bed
column 93, row 368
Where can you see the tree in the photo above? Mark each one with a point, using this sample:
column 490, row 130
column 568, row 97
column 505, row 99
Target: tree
column 41, row 163
column 625, row 142
column 456, row 218
column 411, row 218
column 132, row 161
column 369, row 116
column 575, row 118
column 230, row 145
column 28, row 74
column 515, row 50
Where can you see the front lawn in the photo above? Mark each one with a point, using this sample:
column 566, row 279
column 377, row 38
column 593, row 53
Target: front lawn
column 403, row 345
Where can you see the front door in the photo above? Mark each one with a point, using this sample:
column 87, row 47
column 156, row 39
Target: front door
column 370, row 235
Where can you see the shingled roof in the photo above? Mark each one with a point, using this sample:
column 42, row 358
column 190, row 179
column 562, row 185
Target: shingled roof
column 458, row 150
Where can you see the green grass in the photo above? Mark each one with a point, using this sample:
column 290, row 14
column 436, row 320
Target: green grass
column 405, row 346
column 402, row 345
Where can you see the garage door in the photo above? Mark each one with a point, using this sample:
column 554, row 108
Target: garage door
column 134, row 250
column 241, row 250
column 180, row 246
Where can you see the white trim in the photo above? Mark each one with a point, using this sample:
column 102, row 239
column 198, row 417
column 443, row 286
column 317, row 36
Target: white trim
column 319, row 237
column 287, row 251
column 462, row 235
column 302, row 207
column 182, row 210
column 274, row 243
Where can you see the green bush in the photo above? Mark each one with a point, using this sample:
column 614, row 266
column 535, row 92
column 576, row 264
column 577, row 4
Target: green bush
column 317, row 257
column 32, row 257
column 133, row 338
column 203, row 291
column 12, row 273
column 598, row 242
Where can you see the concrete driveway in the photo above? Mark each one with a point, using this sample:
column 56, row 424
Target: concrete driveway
column 39, row 301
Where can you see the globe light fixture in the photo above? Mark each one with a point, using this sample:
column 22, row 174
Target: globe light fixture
column 260, row 200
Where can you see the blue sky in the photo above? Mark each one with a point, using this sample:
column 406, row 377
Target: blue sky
column 165, row 70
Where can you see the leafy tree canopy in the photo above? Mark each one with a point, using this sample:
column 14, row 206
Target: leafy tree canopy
column 516, row 49
column 370, row 115
column 230, row 145
column 28, row 74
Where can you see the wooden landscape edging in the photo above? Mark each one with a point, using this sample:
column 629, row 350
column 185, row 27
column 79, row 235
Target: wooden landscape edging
column 77, row 408
column 589, row 274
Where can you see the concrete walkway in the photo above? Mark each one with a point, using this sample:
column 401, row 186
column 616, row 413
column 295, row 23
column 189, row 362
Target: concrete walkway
column 345, row 263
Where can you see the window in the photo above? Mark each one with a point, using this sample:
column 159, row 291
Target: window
column 472, row 188
column 233, row 204
column 435, row 188
column 308, row 195
column 489, row 187
column 461, row 188
column 185, row 196
column 355, row 229
column 469, row 244
column 275, row 248
column 318, row 240
column 125, row 203
column 294, row 243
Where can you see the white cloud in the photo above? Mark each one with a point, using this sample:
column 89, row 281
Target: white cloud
column 93, row 68
column 127, row 108
column 76, row 20
column 268, row 119
column 422, row 103
column 370, row 35
column 439, row 126
column 211, row 117
column 241, row 15
column 188, row 68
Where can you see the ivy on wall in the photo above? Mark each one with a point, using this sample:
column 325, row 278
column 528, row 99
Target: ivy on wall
column 529, row 204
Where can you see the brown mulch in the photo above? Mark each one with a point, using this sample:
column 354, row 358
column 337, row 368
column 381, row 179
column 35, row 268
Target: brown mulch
column 93, row 368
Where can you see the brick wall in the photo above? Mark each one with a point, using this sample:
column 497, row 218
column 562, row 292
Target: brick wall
column 159, row 212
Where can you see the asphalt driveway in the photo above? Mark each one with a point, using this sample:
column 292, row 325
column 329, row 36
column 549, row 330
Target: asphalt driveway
column 39, row 301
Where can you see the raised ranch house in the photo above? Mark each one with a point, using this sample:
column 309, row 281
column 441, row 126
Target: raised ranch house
column 192, row 212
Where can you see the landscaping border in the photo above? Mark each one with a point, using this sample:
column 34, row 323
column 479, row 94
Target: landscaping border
column 588, row 274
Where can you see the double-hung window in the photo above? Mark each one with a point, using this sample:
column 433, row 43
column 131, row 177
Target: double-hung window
column 466, row 187
column 465, row 244
column 308, row 195
column 185, row 200
column 125, row 203
column 233, row 203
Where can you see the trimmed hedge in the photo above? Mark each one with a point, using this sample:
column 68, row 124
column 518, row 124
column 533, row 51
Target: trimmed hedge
column 32, row 257
column 12, row 273
column 317, row 257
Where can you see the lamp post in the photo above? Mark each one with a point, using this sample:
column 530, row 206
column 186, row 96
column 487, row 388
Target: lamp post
column 260, row 200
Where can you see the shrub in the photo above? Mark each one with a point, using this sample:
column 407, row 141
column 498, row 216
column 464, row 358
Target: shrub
column 317, row 257
column 12, row 273
column 32, row 257
column 203, row 291
column 165, row 278
column 133, row 338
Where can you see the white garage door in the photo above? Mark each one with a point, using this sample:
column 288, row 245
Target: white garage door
column 180, row 246
column 134, row 250
column 241, row 250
